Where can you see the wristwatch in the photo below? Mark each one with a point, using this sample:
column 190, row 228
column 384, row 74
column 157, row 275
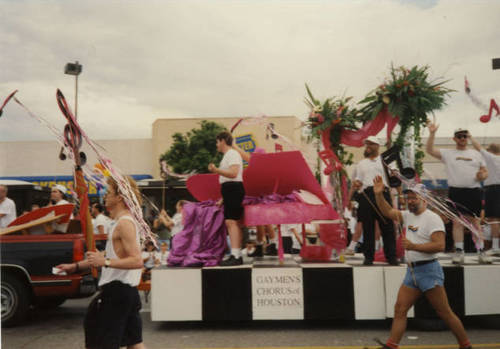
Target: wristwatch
column 107, row 262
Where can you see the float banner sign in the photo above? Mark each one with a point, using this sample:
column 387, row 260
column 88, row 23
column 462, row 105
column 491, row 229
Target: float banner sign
column 277, row 294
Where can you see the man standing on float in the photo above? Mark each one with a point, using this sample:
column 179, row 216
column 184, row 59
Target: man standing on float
column 230, row 173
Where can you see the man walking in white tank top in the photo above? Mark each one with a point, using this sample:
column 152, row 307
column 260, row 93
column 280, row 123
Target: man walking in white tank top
column 113, row 318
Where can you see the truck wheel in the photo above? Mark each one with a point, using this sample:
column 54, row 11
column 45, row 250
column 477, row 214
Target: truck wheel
column 15, row 300
column 49, row 302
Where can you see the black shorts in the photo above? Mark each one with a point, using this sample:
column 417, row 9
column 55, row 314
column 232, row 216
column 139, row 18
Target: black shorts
column 492, row 201
column 467, row 200
column 113, row 318
column 233, row 194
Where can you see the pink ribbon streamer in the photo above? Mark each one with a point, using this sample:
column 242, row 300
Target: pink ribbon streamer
column 370, row 128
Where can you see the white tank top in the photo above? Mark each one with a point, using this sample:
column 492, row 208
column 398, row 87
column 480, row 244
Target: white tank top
column 130, row 277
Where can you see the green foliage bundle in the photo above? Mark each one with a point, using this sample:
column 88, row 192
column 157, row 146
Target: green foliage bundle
column 194, row 150
column 407, row 94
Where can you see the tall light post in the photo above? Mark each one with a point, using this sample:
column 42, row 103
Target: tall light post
column 74, row 69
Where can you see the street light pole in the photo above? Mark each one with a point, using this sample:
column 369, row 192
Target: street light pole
column 74, row 69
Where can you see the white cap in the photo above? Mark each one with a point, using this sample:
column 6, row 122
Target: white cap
column 61, row 188
column 460, row 130
column 372, row 139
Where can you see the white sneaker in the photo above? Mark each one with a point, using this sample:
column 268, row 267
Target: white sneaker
column 493, row 252
column 458, row 258
column 482, row 258
column 348, row 252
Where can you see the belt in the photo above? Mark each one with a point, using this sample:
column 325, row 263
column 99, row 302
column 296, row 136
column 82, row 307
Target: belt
column 416, row 264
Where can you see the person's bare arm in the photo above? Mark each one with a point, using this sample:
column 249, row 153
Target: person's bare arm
column 482, row 174
column 132, row 253
column 232, row 172
column 474, row 143
column 429, row 147
column 385, row 208
column 244, row 155
column 297, row 236
column 436, row 245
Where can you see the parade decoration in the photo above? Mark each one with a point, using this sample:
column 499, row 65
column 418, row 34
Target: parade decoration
column 74, row 134
column 9, row 97
column 405, row 99
column 480, row 104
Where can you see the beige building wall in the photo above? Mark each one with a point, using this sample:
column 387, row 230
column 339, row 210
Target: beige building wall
column 41, row 158
column 164, row 129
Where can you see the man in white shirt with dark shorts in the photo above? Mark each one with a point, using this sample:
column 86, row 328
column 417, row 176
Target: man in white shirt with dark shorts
column 425, row 237
column 230, row 173
column 466, row 169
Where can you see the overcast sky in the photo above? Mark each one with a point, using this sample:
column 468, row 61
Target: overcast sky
column 144, row 60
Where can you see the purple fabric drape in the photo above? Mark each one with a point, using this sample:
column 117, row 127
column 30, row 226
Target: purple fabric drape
column 203, row 240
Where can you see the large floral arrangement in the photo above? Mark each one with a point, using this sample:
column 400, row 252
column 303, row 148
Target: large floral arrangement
column 335, row 114
column 408, row 94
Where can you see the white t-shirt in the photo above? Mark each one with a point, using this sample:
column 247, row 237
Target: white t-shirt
column 8, row 208
column 351, row 221
column 462, row 167
column 150, row 262
column 101, row 219
column 419, row 230
column 286, row 230
column 231, row 157
column 162, row 257
column 178, row 226
column 368, row 169
column 62, row 227
column 493, row 166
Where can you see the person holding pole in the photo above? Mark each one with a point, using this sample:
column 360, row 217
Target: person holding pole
column 424, row 239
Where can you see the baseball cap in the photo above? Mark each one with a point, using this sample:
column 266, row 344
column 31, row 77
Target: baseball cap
column 372, row 139
column 61, row 188
column 460, row 130
column 415, row 188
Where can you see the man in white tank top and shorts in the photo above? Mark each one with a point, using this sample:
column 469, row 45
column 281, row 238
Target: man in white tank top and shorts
column 113, row 318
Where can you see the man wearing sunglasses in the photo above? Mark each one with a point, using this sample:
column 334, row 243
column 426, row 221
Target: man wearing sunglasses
column 466, row 169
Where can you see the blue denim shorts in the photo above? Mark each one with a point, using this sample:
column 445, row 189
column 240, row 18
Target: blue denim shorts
column 424, row 277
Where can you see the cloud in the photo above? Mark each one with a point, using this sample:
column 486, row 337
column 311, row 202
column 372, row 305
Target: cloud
column 157, row 59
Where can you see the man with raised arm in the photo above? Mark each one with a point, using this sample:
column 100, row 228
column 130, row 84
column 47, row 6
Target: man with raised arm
column 425, row 237
column 466, row 169
column 113, row 318
column 491, row 156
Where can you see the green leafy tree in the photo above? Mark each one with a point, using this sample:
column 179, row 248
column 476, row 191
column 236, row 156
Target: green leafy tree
column 194, row 150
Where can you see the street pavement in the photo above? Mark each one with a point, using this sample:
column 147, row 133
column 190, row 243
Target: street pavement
column 62, row 328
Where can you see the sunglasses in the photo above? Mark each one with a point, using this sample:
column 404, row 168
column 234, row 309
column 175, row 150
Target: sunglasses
column 462, row 136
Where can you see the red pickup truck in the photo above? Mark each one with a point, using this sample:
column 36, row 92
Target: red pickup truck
column 26, row 263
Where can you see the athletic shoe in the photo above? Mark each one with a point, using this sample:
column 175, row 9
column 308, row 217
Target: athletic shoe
column 257, row 252
column 271, row 250
column 231, row 261
column 394, row 262
column 383, row 346
column 458, row 258
column 348, row 252
column 484, row 259
column 493, row 252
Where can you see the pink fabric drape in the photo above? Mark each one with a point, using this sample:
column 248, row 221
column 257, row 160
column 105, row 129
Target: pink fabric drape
column 371, row 128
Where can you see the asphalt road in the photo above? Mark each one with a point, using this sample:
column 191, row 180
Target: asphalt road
column 62, row 328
